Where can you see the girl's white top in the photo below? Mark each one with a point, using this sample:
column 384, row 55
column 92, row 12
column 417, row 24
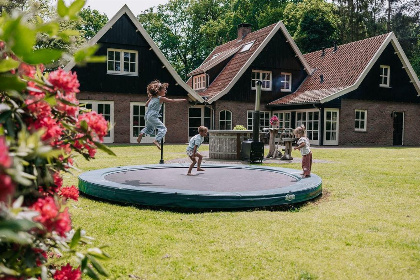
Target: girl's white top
column 305, row 149
column 195, row 141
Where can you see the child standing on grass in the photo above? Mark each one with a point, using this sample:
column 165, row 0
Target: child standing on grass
column 156, row 92
column 192, row 148
column 305, row 150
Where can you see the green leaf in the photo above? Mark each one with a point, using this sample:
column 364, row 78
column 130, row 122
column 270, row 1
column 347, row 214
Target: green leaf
column 76, row 237
column 5, row 115
column 10, row 236
column 75, row 7
column 65, row 34
column 97, row 265
column 44, row 56
column 8, row 64
column 89, row 271
column 96, row 59
column 24, row 40
column 50, row 28
column 11, row 82
column 81, row 56
column 62, row 10
column 8, row 271
column 50, row 99
column 98, row 253
column 104, row 148
column 84, row 125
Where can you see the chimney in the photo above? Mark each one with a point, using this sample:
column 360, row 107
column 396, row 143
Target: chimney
column 243, row 30
column 323, row 51
column 335, row 46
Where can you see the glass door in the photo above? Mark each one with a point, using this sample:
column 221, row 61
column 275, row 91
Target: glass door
column 331, row 127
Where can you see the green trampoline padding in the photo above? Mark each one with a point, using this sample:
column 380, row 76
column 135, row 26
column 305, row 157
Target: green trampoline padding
column 218, row 187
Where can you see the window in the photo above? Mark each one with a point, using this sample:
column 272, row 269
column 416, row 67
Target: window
column 264, row 120
column 360, row 120
column 225, row 120
column 385, row 75
column 264, row 77
column 310, row 119
column 246, row 47
column 106, row 108
column 286, row 82
column 199, row 115
column 199, row 81
column 122, row 62
column 284, row 119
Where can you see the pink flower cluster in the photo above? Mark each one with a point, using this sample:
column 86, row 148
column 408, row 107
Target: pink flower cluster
column 274, row 120
column 6, row 184
column 50, row 217
column 97, row 125
column 70, row 192
column 66, row 86
column 67, row 273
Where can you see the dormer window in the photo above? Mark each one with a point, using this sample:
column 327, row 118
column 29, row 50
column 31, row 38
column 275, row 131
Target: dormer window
column 246, row 47
column 385, row 74
column 286, row 82
column 264, row 76
column 122, row 62
column 199, row 82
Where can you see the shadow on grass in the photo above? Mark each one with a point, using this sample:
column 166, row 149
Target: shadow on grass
column 295, row 207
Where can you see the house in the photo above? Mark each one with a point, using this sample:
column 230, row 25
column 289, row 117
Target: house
column 361, row 93
column 117, row 88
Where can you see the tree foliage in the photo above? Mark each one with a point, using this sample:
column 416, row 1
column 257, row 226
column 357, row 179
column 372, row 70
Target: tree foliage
column 91, row 21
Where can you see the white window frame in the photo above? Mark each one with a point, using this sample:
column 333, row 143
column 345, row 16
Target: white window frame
column 121, row 71
column 285, row 119
column 305, row 119
column 95, row 103
column 147, row 139
column 199, row 81
column 385, row 78
column 202, row 119
column 247, row 46
column 283, row 82
column 360, row 120
column 225, row 120
column 335, row 141
column 260, row 75
column 264, row 117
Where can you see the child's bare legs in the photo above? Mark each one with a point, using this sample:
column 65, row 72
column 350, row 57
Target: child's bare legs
column 200, row 159
column 157, row 144
column 139, row 138
column 191, row 165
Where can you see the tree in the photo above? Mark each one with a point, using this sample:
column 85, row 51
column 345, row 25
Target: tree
column 41, row 130
column 312, row 24
column 91, row 21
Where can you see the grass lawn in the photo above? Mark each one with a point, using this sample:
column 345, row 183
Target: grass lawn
column 365, row 226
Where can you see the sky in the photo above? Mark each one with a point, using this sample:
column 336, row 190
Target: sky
column 111, row 7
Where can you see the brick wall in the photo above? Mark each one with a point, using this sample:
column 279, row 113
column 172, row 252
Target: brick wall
column 379, row 125
column 238, row 109
column 176, row 115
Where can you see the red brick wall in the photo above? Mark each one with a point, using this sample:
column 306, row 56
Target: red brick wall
column 238, row 109
column 379, row 126
column 176, row 115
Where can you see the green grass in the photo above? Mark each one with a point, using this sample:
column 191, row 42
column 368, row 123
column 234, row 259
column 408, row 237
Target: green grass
column 365, row 226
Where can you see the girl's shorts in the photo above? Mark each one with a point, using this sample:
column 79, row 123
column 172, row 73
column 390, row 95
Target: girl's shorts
column 190, row 153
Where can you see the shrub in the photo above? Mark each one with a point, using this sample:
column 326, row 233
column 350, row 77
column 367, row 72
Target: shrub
column 42, row 128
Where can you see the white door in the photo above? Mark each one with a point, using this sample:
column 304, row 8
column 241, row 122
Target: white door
column 331, row 126
column 106, row 108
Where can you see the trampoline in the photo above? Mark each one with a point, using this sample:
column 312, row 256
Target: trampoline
column 218, row 187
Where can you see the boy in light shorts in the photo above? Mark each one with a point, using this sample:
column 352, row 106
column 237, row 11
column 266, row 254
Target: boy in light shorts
column 192, row 148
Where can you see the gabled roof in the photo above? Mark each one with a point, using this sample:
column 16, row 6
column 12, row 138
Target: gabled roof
column 343, row 71
column 240, row 61
column 143, row 32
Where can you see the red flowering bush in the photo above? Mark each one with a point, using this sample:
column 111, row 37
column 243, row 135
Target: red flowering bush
column 42, row 129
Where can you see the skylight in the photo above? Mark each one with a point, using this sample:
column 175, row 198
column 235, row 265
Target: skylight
column 246, row 47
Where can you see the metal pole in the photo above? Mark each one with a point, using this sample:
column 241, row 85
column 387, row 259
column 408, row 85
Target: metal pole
column 256, row 122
